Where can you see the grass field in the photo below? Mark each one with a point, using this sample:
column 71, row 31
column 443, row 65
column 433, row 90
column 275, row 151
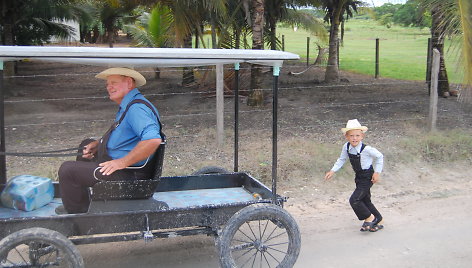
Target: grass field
column 402, row 50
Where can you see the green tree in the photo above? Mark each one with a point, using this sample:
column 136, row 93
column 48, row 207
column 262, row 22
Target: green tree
column 291, row 17
column 111, row 13
column 337, row 11
column 453, row 18
column 386, row 20
column 235, row 31
column 385, row 9
column 154, row 29
column 441, row 25
column 411, row 14
column 35, row 22
column 256, row 96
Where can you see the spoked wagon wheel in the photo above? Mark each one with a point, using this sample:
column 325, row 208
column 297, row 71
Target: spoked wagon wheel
column 39, row 247
column 260, row 235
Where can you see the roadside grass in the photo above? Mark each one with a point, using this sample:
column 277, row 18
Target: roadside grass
column 438, row 147
column 304, row 160
column 402, row 50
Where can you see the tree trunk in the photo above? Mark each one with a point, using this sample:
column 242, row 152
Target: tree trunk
column 237, row 38
column 187, row 74
column 96, row 35
column 213, row 30
column 197, row 36
column 256, row 96
column 110, row 37
column 321, row 55
column 273, row 35
column 437, row 40
column 332, row 70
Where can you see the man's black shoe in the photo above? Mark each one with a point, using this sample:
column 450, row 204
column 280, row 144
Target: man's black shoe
column 61, row 210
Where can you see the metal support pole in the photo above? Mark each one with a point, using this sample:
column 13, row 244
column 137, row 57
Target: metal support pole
column 236, row 117
column 220, row 132
column 377, row 46
column 3, row 161
column 275, row 98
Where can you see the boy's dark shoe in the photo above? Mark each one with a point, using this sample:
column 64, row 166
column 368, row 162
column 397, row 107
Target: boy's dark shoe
column 367, row 226
column 376, row 225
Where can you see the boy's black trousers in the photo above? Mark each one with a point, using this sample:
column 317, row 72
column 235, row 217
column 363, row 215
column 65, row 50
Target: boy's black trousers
column 360, row 199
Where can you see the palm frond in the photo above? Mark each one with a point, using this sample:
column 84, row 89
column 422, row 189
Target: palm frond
column 307, row 21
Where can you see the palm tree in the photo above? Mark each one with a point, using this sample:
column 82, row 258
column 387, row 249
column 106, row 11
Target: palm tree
column 26, row 22
column 111, row 12
column 285, row 11
column 35, row 22
column 256, row 98
column 455, row 22
column 154, row 29
column 89, row 23
column 236, row 29
column 336, row 12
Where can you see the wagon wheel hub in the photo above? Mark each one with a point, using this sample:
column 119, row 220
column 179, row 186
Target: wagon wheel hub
column 259, row 245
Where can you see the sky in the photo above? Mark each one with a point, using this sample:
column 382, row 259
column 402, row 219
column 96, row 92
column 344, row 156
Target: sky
column 378, row 3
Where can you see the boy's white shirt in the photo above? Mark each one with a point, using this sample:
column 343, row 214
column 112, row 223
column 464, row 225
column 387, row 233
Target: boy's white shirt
column 369, row 156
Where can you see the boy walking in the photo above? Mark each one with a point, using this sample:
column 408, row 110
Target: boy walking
column 367, row 163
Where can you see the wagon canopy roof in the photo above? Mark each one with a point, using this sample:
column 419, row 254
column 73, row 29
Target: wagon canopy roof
column 145, row 57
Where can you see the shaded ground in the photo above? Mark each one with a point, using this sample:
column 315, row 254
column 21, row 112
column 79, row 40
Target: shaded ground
column 52, row 109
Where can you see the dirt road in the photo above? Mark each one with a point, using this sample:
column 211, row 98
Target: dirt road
column 428, row 233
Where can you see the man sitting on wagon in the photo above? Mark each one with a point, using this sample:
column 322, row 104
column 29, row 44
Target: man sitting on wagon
column 122, row 153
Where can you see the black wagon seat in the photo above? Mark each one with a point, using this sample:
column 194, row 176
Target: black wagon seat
column 132, row 189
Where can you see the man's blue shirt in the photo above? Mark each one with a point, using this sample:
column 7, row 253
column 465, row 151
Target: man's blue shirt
column 139, row 124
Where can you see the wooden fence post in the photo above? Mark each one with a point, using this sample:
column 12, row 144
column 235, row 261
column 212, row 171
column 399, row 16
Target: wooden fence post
column 433, row 96
column 283, row 42
column 308, row 51
column 377, row 46
column 428, row 65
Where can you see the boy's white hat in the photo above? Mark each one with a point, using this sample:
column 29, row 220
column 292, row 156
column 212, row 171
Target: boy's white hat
column 138, row 78
column 353, row 124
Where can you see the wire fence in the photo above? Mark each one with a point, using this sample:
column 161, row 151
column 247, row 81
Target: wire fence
column 297, row 66
column 321, row 107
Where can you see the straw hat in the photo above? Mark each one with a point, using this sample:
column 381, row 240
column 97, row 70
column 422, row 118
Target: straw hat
column 353, row 124
column 138, row 78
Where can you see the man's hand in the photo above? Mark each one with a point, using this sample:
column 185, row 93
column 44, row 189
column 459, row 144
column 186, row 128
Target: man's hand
column 142, row 151
column 375, row 177
column 329, row 175
column 90, row 150
column 109, row 167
